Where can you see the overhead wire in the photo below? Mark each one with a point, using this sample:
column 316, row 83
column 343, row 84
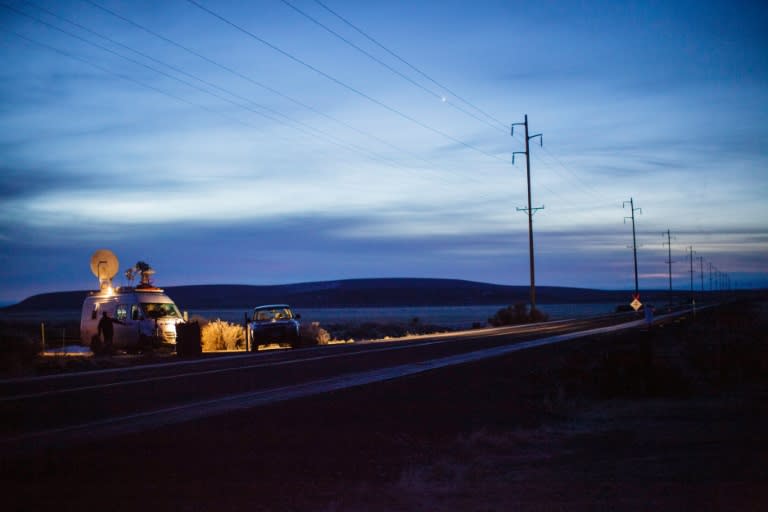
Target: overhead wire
column 333, row 139
column 339, row 82
column 123, row 76
column 257, row 83
column 574, row 177
column 142, row 64
column 128, row 78
column 405, row 77
column 178, row 70
column 499, row 123
column 302, row 127
column 496, row 122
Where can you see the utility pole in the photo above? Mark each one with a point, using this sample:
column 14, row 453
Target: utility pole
column 530, row 211
column 634, row 237
column 669, row 262
column 701, row 272
column 690, row 253
column 710, row 276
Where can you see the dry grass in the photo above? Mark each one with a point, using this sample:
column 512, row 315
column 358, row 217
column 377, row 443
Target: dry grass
column 222, row 335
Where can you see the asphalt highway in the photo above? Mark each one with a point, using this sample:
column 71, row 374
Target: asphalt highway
column 67, row 408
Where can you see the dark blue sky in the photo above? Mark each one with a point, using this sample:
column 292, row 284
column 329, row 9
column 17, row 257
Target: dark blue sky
column 243, row 142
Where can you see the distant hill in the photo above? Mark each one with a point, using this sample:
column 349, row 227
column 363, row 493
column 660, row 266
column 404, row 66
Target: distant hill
column 385, row 292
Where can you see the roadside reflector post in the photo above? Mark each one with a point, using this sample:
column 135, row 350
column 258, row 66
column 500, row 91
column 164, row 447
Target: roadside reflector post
column 245, row 326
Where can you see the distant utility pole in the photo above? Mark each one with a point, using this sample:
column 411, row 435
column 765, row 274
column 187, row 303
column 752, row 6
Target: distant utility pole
column 530, row 211
column 634, row 237
column 701, row 272
column 690, row 253
column 710, row 276
column 669, row 261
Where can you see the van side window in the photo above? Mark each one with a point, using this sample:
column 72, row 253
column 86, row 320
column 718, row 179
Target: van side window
column 135, row 312
column 122, row 312
column 93, row 314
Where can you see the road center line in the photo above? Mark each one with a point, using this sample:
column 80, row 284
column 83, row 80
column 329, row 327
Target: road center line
column 196, row 410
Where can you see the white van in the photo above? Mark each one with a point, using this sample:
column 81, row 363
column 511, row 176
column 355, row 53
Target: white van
column 148, row 316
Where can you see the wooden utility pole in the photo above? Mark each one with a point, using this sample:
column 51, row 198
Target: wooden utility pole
column 634, row 238
column 690, row 254
column 530, row 211
column 669, row 262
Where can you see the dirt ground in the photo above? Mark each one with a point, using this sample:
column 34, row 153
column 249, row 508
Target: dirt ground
column 671, row 419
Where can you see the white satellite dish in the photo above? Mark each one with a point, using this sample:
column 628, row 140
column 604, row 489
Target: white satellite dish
column 105, row 266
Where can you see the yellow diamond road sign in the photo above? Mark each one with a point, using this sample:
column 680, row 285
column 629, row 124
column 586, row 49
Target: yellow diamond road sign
column 636, row 304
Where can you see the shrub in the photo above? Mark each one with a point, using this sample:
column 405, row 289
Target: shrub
column 538, row 315
column 18, row 350
column 199, row 319
column 313, row 334
column 517, row 314
column 221, row 335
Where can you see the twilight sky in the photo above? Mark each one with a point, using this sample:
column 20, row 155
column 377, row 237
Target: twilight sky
column 271, row 141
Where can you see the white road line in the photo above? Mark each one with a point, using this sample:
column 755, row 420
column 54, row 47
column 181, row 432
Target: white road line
column 493, row 331
column 60, row 391
column 196, row 410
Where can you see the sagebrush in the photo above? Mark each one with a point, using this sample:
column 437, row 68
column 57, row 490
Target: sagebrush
column 222, row 335
column 313, row 334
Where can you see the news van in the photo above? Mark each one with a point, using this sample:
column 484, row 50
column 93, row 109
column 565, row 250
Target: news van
column 144, row 315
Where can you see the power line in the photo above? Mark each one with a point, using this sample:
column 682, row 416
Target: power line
column 577, row 180
column 572, row 173
column 318, row 134
column 340, row 82
column 250, row 79
column 257, row 83
column 306, row 129
column 134, row 81
column 124, row 77
column 499, row 124
column 387, row 66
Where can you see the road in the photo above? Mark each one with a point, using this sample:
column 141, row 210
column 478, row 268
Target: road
column 60, row 409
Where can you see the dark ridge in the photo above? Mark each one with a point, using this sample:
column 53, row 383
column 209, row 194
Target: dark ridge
column 385, row 292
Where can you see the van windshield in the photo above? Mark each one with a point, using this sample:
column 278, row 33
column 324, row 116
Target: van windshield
column 159, row 309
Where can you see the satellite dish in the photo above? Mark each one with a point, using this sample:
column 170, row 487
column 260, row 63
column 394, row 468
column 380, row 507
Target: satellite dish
column 104, row 265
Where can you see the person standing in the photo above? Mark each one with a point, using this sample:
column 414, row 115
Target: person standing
column 648, row 310
column 107, row 330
